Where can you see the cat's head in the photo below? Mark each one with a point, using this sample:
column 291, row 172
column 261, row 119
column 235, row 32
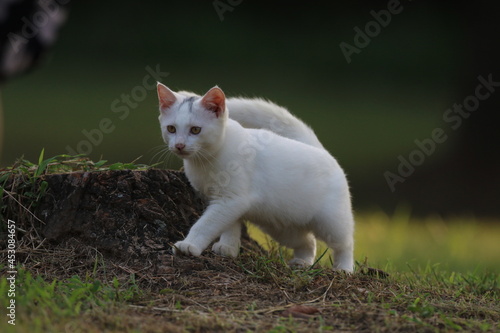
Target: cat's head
column 192, row 126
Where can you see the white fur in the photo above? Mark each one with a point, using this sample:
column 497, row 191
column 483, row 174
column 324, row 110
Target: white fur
column 258, row 113
column 285, row 183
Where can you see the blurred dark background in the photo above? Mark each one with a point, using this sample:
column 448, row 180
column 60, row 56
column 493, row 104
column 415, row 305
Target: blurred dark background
column 368, row 112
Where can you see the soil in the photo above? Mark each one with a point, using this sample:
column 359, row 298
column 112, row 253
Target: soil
column 124, row 214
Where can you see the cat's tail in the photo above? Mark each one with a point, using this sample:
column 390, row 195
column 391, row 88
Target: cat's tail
column 259, row 113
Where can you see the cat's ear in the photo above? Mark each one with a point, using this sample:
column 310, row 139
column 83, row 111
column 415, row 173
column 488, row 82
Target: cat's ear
column 215, row 101
column 166, row 97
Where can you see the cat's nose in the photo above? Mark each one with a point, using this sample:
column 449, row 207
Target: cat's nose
column 180, row 146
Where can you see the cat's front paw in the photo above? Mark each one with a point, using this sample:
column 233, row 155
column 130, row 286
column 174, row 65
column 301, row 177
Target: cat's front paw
column 186, row 248
column 225, row 250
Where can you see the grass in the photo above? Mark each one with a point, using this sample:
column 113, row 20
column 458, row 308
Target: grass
column 402, row 243
column 461, row 244
column 258, row 292
column 51, row 306
column 430, row 275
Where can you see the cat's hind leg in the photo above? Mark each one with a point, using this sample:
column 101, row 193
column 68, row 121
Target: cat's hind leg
column 303, row 244
column 304, row 252
column 229, row 242
column 336, row 229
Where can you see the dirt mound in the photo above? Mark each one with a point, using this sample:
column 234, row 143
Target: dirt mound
column 122, row 213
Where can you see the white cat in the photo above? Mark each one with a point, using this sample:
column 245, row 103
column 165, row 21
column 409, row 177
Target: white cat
column 276, row 175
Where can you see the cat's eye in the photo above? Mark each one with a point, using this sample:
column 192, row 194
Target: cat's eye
column 195, row 130
column 171, row 129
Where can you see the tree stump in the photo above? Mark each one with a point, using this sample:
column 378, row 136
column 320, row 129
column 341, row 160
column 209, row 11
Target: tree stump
column 123, row 214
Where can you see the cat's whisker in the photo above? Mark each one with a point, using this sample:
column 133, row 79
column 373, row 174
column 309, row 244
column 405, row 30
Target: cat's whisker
column 162, row 156
column 198, row 158
column 156, row 150
column 156, row 157
column 208, row 154
column 168, row 155
column 205, row 157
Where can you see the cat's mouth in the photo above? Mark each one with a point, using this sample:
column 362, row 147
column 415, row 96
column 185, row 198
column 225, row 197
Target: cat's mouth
column 182, row 153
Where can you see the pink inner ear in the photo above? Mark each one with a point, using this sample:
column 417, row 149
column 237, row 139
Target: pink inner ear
column 165, row 96
column 215, row 101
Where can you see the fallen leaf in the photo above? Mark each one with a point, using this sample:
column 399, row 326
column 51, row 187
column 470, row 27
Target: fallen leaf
column 300, row 311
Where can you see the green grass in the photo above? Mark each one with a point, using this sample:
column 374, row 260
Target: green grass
column 51, row 306
column 457, row 244
column 402, row 243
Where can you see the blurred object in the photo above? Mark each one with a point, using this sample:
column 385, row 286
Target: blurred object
column 27, row 29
